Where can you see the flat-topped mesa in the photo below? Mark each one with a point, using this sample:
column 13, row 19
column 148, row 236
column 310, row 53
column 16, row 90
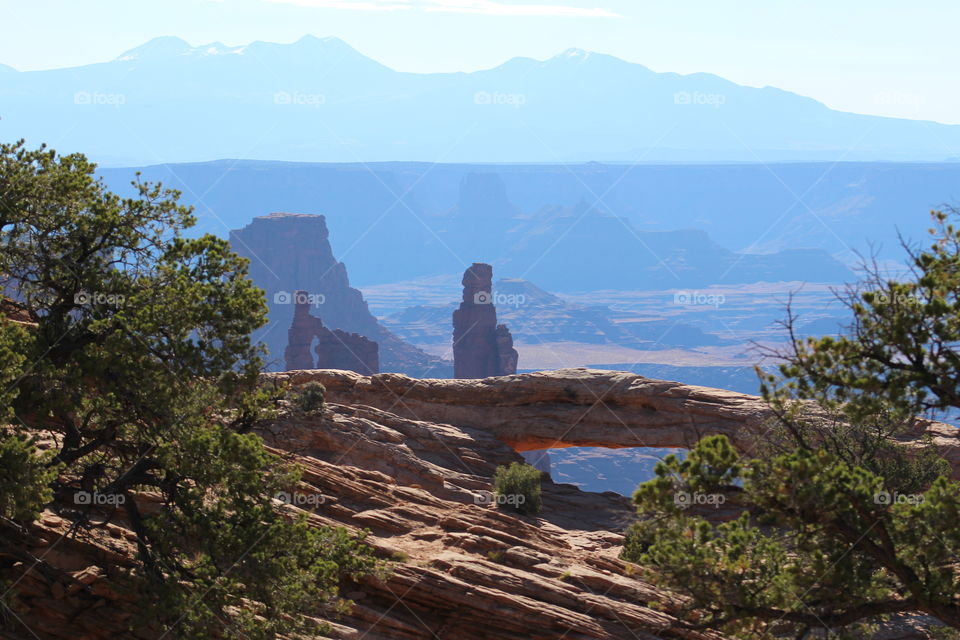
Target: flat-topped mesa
column 481, row 347
column 335, row 349
column 290, row 252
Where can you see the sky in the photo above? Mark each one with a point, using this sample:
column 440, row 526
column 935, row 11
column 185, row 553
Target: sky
column 883, row 57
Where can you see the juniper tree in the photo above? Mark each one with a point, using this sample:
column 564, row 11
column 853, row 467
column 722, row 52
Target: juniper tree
column 138, row 365
column 841, row 524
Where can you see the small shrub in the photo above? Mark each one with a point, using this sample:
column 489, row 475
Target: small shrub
column 519, row 486
column 495, row 556
column 312, row 398
column 639, row 537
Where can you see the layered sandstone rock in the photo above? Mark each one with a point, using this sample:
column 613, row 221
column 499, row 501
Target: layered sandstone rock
column 582, row 408
column 335, row 349
column 290, row 252
column 481, row 347
column 465, row 570
column 472, row 571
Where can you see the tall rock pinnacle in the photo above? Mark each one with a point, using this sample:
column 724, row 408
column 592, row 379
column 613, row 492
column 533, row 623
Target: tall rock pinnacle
column 481, row 347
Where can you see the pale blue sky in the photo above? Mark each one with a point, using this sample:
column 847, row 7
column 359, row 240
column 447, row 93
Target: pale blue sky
column 885, row 57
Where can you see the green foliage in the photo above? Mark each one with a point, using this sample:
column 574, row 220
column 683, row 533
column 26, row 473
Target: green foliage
column 271, row 589
column 25, row 478
column 311, row 398
column 11, row 363
column 816, row 543
column 840, row 525
column 142, row 367
column 517, row 487
column 901, row 355
column 496, row 556
column 25, row 475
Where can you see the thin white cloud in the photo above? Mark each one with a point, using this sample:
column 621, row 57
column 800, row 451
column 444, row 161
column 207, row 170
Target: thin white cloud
column 355, row 5
column 481, row 7
column 491, row 8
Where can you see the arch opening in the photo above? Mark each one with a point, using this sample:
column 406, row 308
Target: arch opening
column 600, row 469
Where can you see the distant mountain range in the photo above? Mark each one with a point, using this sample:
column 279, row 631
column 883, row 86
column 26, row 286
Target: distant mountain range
column 318, row 99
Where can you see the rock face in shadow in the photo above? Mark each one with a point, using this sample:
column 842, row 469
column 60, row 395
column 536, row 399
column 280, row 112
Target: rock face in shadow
column 507, row 356
column 335, row 349
column 290, row 252
column 539, row 459
column 481, row 347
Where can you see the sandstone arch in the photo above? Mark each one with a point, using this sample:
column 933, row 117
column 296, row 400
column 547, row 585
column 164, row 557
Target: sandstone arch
column 575, row 408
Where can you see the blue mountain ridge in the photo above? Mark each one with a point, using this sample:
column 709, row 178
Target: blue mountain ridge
column 318, row 99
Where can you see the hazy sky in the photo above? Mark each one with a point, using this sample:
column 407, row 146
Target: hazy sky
column 885, row 57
